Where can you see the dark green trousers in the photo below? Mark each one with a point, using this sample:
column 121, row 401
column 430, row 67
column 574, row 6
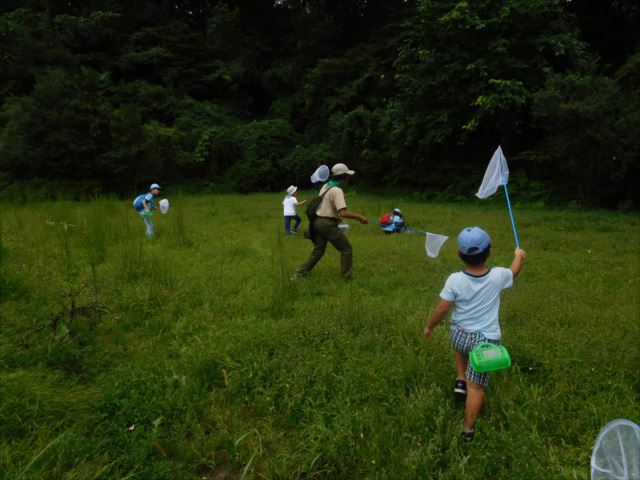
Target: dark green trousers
column 327, row 231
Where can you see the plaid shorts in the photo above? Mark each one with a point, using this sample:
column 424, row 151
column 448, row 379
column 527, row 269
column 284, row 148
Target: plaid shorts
column 464, row 342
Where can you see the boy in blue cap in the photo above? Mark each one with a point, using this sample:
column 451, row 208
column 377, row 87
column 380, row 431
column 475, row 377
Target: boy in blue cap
column 475, row 295
column 143, row 204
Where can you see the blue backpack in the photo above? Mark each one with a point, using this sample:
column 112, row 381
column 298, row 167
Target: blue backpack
column 137, row 203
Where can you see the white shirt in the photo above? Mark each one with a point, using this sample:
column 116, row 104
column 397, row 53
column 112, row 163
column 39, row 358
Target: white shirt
column 289, row 203
column 477, row 300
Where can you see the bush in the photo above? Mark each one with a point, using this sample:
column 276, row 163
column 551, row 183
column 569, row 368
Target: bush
column 302, row 161
column 263, row 147
column 40, row 190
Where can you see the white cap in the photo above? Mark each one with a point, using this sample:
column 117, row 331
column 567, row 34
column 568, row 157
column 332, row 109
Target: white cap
column 292, row 189
column 154, row 185
column 341, row 169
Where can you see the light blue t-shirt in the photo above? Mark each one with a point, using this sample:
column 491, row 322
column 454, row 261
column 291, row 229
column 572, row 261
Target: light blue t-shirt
column 477, row 300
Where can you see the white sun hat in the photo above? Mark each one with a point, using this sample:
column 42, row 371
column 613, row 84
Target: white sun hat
column 292, row 189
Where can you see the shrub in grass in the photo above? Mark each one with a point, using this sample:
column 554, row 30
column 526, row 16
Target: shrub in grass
column 148, row 274
column 94, row 242
column 10, row 285
column 178, row 233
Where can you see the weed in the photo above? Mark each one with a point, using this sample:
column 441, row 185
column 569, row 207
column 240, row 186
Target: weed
column 94, row 242
column 179, row 233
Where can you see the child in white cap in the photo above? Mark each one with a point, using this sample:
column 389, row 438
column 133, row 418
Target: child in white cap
column 474, row 294
column 290, row 203
column 143, row 204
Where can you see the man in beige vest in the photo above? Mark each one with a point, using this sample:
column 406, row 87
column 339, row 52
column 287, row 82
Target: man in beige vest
column 330, row 213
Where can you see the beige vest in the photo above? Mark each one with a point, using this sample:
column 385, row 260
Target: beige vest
column 331, row 203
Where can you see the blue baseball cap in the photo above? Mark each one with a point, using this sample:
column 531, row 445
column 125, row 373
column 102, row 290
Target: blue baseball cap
column 154, row 185
column 473, row 240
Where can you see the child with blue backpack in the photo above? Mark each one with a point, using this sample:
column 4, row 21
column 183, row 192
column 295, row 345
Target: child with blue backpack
column 144, row 205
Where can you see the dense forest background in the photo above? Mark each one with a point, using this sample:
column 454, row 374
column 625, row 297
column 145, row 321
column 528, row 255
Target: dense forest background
column 254, row 94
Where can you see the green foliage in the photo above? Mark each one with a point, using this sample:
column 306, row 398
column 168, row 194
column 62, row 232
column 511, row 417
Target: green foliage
column 60, row 129
column 27, row 46
column 233, row 70
column 263, row 147
column 359, row 134
column 199, row 124
column 169, row 54
column 41, row 189
column 413, row 95
column 302, row 160
column 129, row 138
column 466, row 74
column 218, row 149
column 586, row 141
column 92, row 38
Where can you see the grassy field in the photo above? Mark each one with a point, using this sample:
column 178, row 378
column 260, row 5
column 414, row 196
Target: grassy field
column 192, row 356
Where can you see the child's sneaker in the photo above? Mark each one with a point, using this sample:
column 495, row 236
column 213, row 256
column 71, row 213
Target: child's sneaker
column 467, row 435
column 460, row 390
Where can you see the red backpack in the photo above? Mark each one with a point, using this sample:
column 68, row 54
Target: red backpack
column 386, row 219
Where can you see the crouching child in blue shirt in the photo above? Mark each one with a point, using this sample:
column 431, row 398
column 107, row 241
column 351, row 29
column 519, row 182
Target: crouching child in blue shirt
column 395, row 222
column 474, row 294
column 144, row 205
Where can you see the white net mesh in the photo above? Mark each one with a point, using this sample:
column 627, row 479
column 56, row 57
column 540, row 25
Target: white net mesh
column 434, row 243
column 320, row 175
column 616, row 453
column 497, row 172
column 164, row 205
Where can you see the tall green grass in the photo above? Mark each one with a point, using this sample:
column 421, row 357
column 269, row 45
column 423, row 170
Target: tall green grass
column 193, row 356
